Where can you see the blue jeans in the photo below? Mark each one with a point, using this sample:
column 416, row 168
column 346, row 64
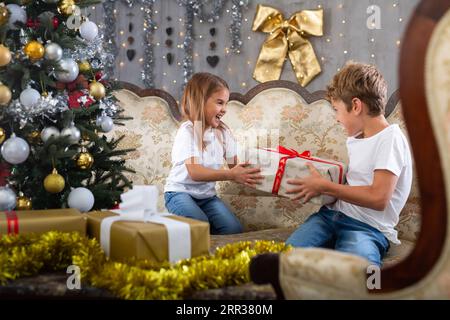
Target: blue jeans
column 212, row 210
column 333, row 229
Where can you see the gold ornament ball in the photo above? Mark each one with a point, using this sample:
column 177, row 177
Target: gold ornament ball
column 2, row 135
column 5, row 95
column 54, row 182
column 84, row 66
column 5, row 55
column 34, row 137
column 34, row 50
column 97, row 90
column 85, row 161
column 66, row 7
column 4, row 15
column 23, row 203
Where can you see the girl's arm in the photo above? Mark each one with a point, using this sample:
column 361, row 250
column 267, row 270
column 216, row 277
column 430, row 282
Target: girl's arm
column 239, row 173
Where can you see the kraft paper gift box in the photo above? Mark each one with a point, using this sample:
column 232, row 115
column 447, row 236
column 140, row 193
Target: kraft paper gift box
column 40, row 221
column 281, row 164
column 135, row 231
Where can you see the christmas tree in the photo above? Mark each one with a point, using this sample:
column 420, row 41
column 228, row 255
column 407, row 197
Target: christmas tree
column 56, row 104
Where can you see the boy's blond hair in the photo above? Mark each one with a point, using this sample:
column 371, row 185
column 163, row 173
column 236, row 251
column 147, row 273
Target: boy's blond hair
column 362, row 81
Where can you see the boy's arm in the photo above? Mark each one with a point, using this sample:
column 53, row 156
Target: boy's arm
column 375, row 196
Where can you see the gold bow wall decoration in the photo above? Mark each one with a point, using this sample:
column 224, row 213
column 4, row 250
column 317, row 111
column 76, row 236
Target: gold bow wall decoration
column 287, row 36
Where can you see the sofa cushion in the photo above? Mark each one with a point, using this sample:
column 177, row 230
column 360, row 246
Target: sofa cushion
column 151, row 131
column 409, row 224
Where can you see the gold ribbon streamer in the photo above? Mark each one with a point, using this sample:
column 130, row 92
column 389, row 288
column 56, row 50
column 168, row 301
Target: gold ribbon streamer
column 287, row 36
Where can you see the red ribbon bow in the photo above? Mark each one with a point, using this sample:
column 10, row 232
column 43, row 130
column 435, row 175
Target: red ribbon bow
column 291, row 153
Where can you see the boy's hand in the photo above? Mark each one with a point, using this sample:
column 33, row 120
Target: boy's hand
column 246, row 176
column 308, row 187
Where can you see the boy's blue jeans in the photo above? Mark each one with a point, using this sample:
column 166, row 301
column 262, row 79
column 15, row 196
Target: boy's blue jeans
column 333, row 229
column 212, row 210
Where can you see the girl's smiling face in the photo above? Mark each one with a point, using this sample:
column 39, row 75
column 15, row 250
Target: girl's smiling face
column 215, row 107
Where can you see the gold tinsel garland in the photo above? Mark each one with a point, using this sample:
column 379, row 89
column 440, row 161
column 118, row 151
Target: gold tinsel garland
column 25, row 255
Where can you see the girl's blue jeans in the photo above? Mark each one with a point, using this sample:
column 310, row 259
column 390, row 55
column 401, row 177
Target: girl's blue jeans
column 333, row 229
column 212, row 210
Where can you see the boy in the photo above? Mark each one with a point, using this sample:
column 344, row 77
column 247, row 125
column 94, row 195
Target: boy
column 379, row 176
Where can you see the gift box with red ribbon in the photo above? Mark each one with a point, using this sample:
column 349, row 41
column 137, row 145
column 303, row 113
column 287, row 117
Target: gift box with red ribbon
column 41, row 221
column 281, row 164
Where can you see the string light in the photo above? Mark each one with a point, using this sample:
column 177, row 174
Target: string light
column 398, row 42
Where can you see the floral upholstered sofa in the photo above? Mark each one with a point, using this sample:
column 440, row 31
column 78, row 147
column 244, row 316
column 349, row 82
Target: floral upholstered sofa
column 277, row 112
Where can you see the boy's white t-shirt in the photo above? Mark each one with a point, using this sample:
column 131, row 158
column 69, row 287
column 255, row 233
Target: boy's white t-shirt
column 213, row 157
column 387, row 150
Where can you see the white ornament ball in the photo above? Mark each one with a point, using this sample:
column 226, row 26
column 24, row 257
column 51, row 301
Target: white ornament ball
column 81, row 199
column 53, row 52
column 48, row 132
column 73, row 133
column 69, row 70
column 107, row 124
column 88, row 30
column 15, row 150
column 7, row 199
column 16, row 13
column 29, row 97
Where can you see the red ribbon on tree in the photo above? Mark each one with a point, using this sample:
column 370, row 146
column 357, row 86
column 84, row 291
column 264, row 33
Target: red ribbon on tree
column 291, row 153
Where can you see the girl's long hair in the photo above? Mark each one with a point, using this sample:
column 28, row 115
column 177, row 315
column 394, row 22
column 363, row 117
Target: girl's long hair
column 197, row 91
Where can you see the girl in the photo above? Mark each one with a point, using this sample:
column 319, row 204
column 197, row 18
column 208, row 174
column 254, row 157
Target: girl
column 201, row 145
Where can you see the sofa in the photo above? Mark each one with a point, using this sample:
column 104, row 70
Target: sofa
column 277, row 112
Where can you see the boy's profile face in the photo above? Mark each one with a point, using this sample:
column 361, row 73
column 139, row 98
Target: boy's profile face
column 351, row 120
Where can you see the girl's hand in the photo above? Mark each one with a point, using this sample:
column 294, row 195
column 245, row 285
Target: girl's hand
column 246, row 176
column 308, row 187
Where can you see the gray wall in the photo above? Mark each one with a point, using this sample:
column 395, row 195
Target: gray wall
column 351, row 40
